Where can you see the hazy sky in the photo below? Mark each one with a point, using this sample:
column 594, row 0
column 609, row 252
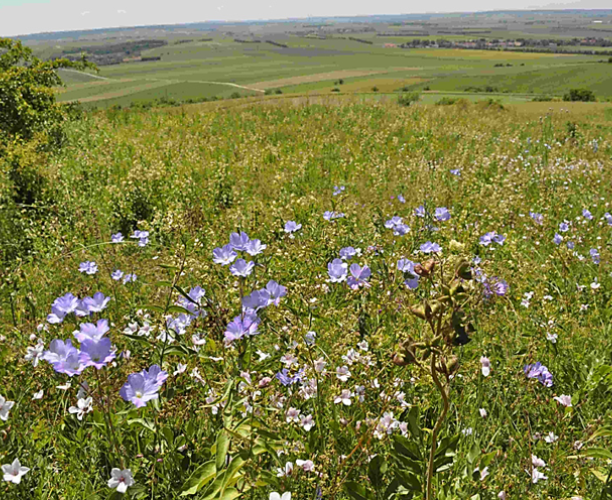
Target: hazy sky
column 33, row 16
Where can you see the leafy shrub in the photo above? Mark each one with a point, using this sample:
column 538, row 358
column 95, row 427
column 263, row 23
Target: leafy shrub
column 408, row 99
column 27, row 93
column 580, row 95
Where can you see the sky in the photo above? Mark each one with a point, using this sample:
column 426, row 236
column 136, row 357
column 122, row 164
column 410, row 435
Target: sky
column 19, row 17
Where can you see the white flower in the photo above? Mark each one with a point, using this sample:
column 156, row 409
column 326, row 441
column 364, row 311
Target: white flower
column 180, row 368
column 484, row 473
column 320, row 365
column 307, row 423
column 83, row 406
column 5, row 407
column 564, row 399
column 343, row 373
column 287, row 471
column 467, row 432
column 14, row 472
column 344, row 398
column 502, row 495
column 38, row 395
column 483, row 413
column 34, row 353
column 278, row 496
column 537, row 462
column 293, row 415
column 551, row 438
column 536, row 475
column 306, row 465
column 262, row 355
column 64, row 387
column 595, row 285
column 120, row 480
column 552, row 337
column 289, row 359
column 486, row 366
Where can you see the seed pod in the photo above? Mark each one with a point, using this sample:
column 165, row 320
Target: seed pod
column 463, row 270
column 452, row 364
column 418, row 311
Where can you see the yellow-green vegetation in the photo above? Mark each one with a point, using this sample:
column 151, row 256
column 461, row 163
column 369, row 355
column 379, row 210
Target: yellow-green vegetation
column 473, row 242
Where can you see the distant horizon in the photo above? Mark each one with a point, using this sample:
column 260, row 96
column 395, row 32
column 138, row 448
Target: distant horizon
column 88, row 16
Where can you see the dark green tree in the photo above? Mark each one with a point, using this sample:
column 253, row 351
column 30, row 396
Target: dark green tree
column 27, row 92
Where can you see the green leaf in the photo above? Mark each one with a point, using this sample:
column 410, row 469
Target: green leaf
column 409, row 481
column 180, row 350
column 376, row 471
column 163, row 283
column 597, row 453
column 202, row 475
column 222, row 445
column 144, row 423
column 230, row 494
column 177, row 310
column 356, row 491
column 142, row 340
column 154, row 308
column 413, row 422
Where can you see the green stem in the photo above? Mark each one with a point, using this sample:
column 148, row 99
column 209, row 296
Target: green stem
column 436, row 429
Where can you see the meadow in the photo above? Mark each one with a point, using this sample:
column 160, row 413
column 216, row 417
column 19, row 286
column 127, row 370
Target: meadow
column 336, row 298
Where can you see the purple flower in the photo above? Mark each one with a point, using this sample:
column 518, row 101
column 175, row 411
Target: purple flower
column 97, row 303
column 255, row 247
column 143, row 242
column 292, row 227
column 456, row 171
column 419, row 211
column 258, row 299
column 393, row 221
column 61, row 307
column 491, row 237
column 347, row 252
column 442, row 214
column 333, row 215
column 407, row 267
column 88, row 267
column 429, row 247
column 587, row 215
column 570, row 245
column 117, row 274
column 401, row 199
column 286, row 379
column 495, row 286
column 89, row 331
column 539, row 371
column 608, row 218
column 275, row 291
column 337, row 271
column 338, row 190
column 129, row 278
column 557, row 239
column 64, row 357
column 139, row 235
column 564, row 227
column 239, row 241
column 538, row 218
column 224, row 255
column 241, row 326
column 594, row 255
column 242, row 268
column 144, row 386
column 96, row 353
column 359, row 276
column 117, row 238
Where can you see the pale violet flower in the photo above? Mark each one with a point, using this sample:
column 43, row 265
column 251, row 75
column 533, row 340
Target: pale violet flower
column 34, row 354
column 117, row 274
column 5, row 407
column 224, row 255
column 486, row 366
column 344, row 397
column 564, row 400
column 88, row 267
column 121, row 480
column 242, row 268
column 292, row 227
column 83, row 407
column 337, row 271
column 14, row 472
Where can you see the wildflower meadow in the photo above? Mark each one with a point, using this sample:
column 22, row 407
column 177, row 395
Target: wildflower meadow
column 309, row 301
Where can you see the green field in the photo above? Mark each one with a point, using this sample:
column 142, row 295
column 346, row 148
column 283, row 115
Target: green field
column 187, row 71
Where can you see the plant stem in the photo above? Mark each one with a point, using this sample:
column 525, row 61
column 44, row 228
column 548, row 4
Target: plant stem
column 437, row 427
